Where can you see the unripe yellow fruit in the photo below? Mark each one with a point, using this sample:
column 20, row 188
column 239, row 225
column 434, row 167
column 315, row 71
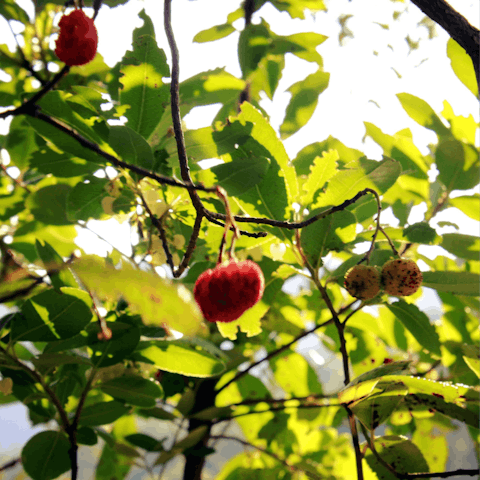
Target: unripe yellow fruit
column 362, row 282
column 401, row 277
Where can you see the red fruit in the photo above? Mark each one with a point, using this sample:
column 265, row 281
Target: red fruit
column 77, row 41
column 401, row 277
column 227, row 291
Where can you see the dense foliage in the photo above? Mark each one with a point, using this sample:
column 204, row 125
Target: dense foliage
column 93, row 345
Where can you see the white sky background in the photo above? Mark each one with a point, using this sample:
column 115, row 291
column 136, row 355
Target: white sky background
column 357, row 78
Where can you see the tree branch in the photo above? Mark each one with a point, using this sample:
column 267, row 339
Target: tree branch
column 456, row 26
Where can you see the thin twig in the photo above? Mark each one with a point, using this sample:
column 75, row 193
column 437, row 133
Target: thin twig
column 282, row 408
column 343, row 347
column 288, row 465
column 374, row 237
column 389, row 240
column 279, row 350
column 24, row 63
column 356, row 443
column 16, row 180
column 10, row 464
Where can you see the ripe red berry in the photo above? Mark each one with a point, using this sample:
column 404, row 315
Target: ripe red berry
column 227, row 291
column 401, row 277
column 363, row 282
column 77, row 40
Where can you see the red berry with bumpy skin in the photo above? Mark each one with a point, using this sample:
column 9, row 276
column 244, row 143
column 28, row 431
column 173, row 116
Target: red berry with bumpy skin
column 363, row 282
column 401, row 277
column 227, row 291
column 77, row 40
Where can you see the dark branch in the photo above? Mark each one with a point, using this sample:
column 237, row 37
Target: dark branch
column 456, row 26
column 10, row 464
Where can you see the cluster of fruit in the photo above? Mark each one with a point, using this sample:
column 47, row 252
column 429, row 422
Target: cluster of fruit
column 399, row 277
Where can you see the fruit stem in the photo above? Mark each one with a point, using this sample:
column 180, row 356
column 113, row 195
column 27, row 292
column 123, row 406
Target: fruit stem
column 366, row 258
column 392, row 246
column 229, row 222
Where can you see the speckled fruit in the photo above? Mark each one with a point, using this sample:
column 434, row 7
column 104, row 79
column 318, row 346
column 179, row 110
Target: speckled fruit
column 77, row 40
column 401, row 277
column 227, row 291
column 362, row 282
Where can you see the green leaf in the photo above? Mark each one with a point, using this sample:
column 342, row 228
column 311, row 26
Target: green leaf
column 274, row 195
column 214, row 33
column 180, row 356
column 52, row 315
column 297, row 8
column 53, row 261
column 375, row 410
column 303, row 45
column 294, row 374
column 112, row 465
column 420, row 111
column 207, row 143
column 209, row 87
column 54, row 104
column 158, row 413
column 189, row 441
column 45, row 456
column 20, row 143
column 462, row 246
column 146, row 442
column 133, row 389
column 322, row 169
column 86, row 436
column 102, row 413
column 125, row 338
column 357, row 176
column 155, row 299
column 49, row 204
column 46, row 361
column 418, row 324
column 131, row 147
column 434, row 402
column 240, row 175
column 398, row 451
column 458, row 394
column 303, row 102
column 85, row 199
column 390, row 368
column 329, row 233
column 253, row 45
column 462, row 65
column 11, row 11
column 402, row 148
column 458, row 164
column 61, row 165
column 12, row 203
column 472, row 358
column 432, row 443
column 459, row 283
column 468, row 204
column 143, row 88
column 420, row 232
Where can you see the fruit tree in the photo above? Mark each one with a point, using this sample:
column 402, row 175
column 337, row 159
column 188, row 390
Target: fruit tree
column 312, row 314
